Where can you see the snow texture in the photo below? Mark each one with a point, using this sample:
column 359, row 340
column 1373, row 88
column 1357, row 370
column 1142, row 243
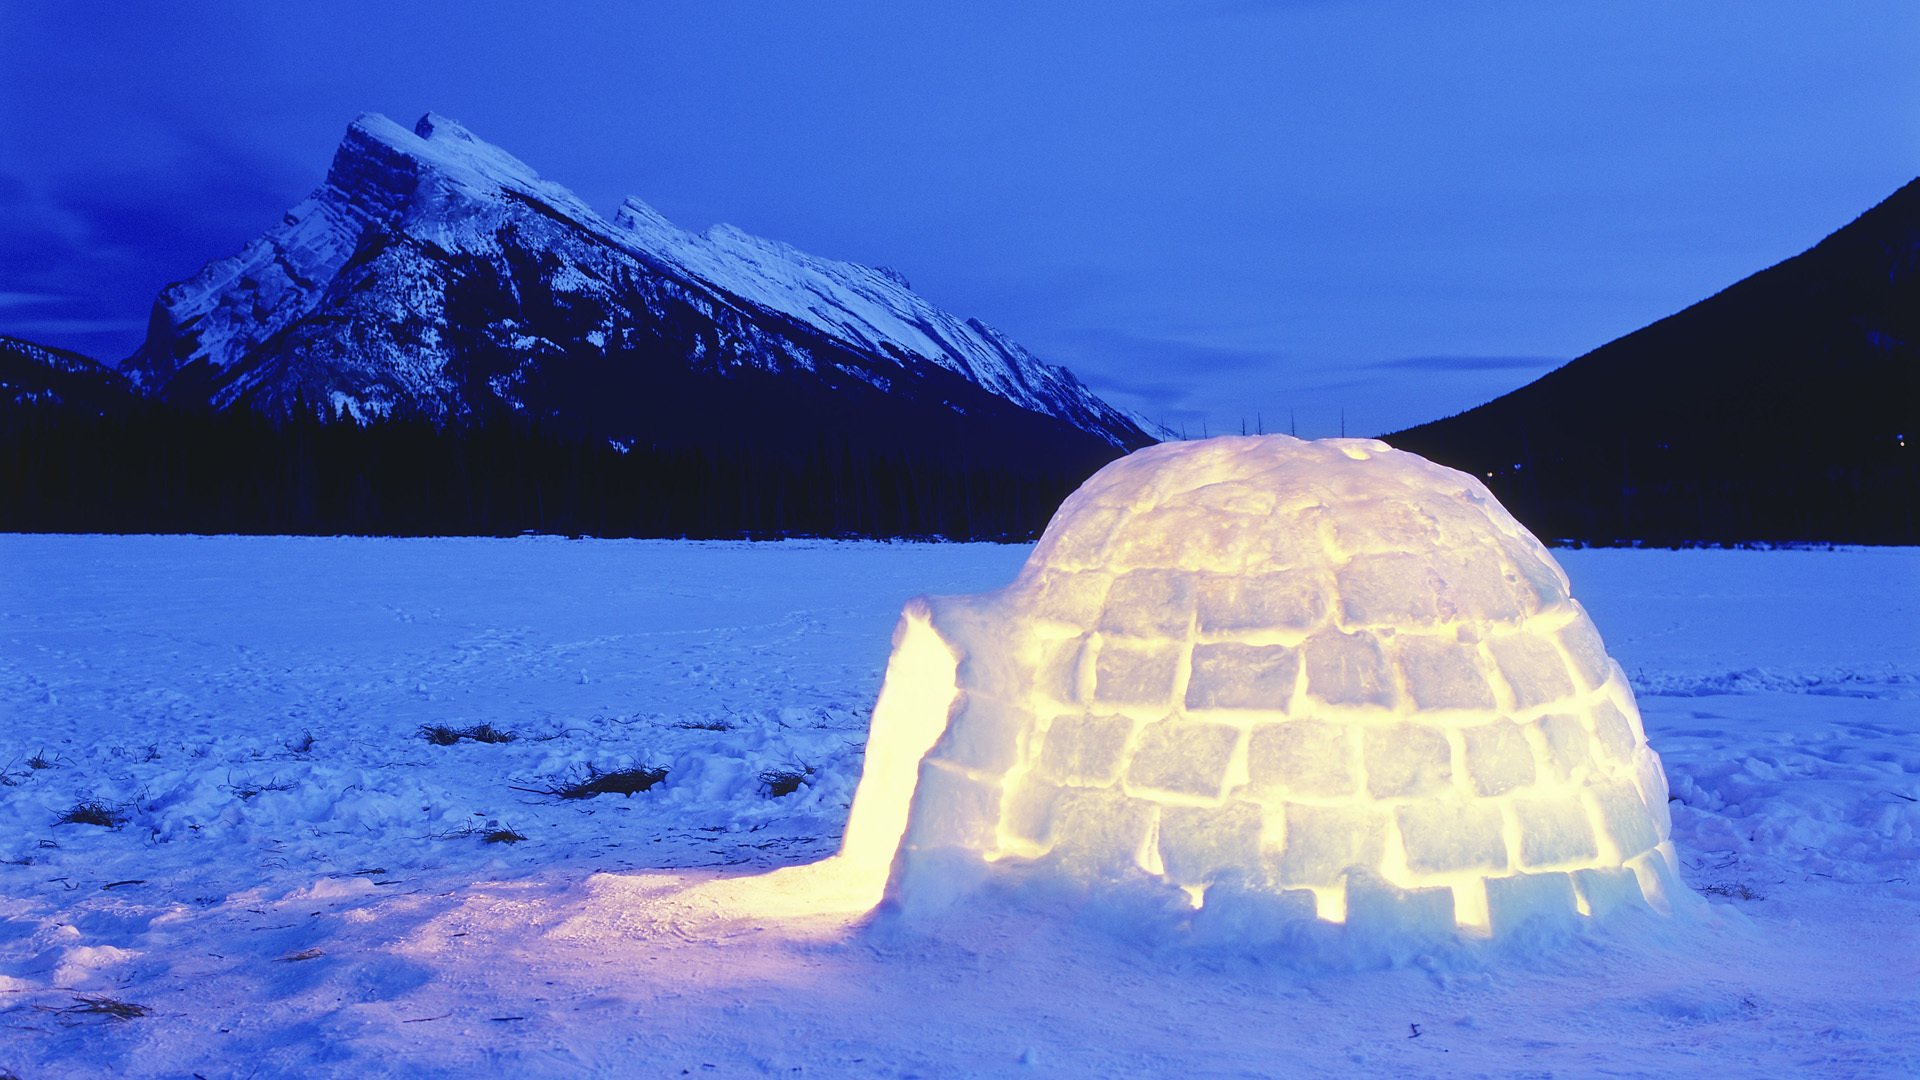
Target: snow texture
column 334, row 910
column 1303, row 669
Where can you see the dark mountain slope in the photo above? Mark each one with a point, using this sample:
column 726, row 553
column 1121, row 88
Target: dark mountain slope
column 1786, row 407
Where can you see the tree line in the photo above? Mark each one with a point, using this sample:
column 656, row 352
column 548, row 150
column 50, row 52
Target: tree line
column 165, row 468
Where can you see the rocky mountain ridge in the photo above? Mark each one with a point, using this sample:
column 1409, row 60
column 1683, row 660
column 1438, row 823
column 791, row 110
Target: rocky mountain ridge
column 434, row 274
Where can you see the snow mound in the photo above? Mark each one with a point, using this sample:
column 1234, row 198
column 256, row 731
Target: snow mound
column 1329, row 682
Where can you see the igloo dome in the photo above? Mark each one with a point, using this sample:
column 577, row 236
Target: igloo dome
column 1331, row 674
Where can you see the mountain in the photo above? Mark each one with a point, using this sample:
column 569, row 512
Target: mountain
column 39, row 375
column 434, row 275
column 1785, row 407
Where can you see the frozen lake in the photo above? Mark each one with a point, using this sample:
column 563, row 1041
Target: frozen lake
column 300, row 882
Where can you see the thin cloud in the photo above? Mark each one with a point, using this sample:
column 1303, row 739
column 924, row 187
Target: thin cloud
column 1472, row 363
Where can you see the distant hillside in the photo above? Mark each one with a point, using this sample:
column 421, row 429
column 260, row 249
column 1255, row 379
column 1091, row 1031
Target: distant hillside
column 1786, row 407
column 32, row 374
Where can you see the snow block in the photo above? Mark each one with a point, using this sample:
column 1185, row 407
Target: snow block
column 1478, row 589
column 1149, row 603
column 1555, row 830
column 1605, row 890
column 1382, row 525
column 1659, row 879
column 1584, row 648
column 1300, row 757
column 970, row 810
column 1622, row 818
column 1650, row 777
column 1249, row 677
column 1255, row 603
column 1395, row 588
column 1324, row 842
column 1568, row 747
column 1026, row 813
column 1376, row 909
column 1499, row 759
column 1134, row 672
column 1183, row 757
column 1348, row 669
column 1613, row 733
column 1522, row 898
column 1085, row 751
column 1442, row 672
column 1057, row 674
column 1198, row 844
column 1075, row 599
column 1100, row 830
column 1536, row 570
column 1445, row 836
column 986, row 734
column 1533, row 668
column 1406, row 761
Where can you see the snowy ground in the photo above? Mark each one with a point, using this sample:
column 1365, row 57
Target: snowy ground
column 286, row 908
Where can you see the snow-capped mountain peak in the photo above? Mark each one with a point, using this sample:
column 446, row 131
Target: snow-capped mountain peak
column 431, row 266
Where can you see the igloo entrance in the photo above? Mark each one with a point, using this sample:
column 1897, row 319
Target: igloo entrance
column 1330, row 673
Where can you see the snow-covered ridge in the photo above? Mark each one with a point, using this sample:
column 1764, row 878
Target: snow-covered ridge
column 449, row 193
column 870, row 307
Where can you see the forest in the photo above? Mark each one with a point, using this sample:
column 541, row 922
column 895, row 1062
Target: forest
column 170, row 469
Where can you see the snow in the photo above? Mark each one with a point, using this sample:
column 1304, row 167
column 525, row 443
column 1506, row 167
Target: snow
column 1446, row 734
column 874, row 309
column 334, row 910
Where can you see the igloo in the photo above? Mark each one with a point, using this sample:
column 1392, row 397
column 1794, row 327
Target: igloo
column 1330, row 675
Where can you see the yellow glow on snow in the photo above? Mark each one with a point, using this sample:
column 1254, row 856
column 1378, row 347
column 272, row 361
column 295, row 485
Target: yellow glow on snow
column 1309, row 668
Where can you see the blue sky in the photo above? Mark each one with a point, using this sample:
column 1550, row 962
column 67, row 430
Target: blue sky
column 1210, row 211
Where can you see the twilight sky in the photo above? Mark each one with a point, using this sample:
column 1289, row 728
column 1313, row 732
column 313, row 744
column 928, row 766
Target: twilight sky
column 1210, row 211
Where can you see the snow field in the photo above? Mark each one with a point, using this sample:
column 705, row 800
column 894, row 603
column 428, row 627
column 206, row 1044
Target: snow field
column 335, row 910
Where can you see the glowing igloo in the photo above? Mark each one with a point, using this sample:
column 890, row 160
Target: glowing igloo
column 1331, row 674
